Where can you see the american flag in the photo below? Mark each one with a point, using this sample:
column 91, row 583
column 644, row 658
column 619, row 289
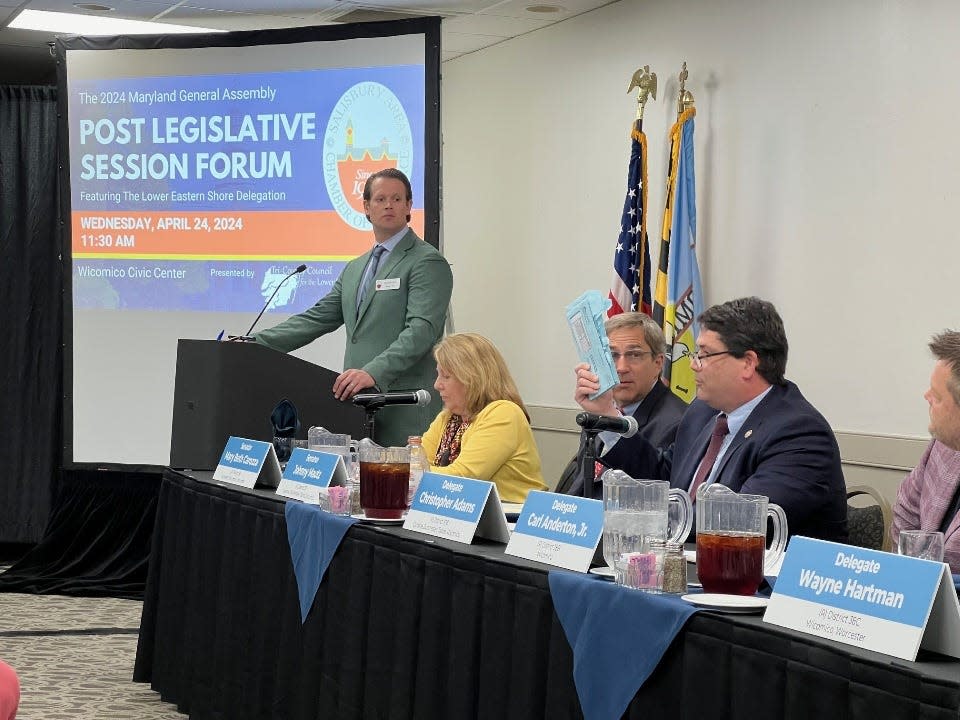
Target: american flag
column 630, row 286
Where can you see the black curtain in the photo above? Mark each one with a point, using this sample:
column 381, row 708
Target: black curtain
column 32, row 311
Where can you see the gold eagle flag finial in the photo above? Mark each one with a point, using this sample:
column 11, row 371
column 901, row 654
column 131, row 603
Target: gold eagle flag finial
column 685, row 98
column 646, row 84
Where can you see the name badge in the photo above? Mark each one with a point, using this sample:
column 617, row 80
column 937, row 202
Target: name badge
column 388, row 284
column 457, row 508
column 308, row 471
column 560, row 530
column 888, row 603
column 248, row 463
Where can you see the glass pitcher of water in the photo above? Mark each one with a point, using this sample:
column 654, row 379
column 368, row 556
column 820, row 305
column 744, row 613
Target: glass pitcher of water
column 322, row 440
column 638, row 511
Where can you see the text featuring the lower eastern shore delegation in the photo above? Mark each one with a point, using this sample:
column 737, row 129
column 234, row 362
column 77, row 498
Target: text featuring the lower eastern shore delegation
column 852, row 587
column 131, row 132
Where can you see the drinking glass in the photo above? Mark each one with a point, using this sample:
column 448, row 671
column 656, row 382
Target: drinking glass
column 924, row 544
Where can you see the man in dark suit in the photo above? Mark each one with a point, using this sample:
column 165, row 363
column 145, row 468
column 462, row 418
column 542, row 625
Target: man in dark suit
column 392, row 302
column 638, row 349
column 749, row 428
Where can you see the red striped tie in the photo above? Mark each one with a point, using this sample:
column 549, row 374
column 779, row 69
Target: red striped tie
column 720, row 431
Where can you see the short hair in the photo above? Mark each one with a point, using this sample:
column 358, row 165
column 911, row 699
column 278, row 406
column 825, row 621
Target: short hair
column 475, row 361
column 652, row 332
column 751, row 324
column 946, row 347
column 391, row 173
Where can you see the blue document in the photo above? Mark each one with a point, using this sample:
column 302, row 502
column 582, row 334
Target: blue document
column 586, row 316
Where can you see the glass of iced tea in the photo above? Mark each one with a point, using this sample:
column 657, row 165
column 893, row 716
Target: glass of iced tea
column 384, row 480
column 731, row 539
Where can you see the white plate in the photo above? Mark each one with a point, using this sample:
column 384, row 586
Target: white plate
column 690, row 555
column 603, row 571
column 728, row 603
column 379, row 521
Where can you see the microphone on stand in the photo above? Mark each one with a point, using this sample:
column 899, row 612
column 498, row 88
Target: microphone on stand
column 620, row 424
column 374, row 401
column 371, row 402
column 246, row 336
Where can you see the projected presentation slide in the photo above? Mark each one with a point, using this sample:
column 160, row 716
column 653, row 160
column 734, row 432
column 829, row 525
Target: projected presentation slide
column 201, row 192
column 199, row 172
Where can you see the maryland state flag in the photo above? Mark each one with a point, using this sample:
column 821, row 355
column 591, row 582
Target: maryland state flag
column 630, row 286
column 679, row 297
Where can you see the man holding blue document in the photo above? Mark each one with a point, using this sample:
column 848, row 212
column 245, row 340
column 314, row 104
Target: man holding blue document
column 748, row 428
column 638, row 348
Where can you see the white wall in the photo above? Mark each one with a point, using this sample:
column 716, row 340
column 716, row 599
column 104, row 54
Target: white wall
column 827, row 173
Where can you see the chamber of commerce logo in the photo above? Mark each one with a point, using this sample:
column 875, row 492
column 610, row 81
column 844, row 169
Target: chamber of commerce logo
column 368, row 131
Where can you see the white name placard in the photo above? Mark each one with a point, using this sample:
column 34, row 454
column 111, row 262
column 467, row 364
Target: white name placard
column 888, row 603
column 309, row 471
column 248, row 463
column 457, row 508
column 560, row 530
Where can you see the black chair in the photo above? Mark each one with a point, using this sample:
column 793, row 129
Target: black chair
column 868, row 526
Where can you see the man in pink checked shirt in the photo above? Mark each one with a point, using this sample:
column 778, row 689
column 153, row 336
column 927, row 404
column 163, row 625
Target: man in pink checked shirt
column 929, row 497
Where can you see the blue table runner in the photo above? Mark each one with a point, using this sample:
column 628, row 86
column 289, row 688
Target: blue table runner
column 617, row 635
column 313, row 536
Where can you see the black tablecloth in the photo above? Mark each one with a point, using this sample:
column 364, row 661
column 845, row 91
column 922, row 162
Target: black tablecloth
column 406, row 627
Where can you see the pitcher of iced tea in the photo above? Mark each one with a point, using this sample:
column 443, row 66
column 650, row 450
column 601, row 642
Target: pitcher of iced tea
column 732, row 537
column 384, row 480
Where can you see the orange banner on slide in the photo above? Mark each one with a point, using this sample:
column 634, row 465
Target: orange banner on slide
column 234, row 235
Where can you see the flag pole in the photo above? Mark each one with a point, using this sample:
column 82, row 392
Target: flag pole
column 630, row 284
column 678, row 295
column 646, row 84
column 684, row 97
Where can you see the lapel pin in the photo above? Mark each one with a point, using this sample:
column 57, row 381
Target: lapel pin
column 747, row 434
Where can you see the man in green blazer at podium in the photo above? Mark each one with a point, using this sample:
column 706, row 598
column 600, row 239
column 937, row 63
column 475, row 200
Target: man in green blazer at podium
column 392, row 302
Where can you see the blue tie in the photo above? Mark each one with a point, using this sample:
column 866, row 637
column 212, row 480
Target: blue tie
column 370, row 274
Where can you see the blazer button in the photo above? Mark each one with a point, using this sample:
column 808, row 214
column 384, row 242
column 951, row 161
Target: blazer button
column 353, row 340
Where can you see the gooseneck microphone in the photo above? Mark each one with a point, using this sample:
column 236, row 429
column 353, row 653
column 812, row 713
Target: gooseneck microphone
column 620, row 424
column 372, row 401
column 246, row 335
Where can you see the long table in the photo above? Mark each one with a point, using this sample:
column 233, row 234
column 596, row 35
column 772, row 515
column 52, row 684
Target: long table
column 405, row 626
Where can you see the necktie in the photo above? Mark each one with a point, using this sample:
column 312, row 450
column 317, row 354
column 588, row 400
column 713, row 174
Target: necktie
column 720, row 431
column 370, row 274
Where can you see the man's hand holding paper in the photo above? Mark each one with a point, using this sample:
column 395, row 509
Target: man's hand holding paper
column 588, row 395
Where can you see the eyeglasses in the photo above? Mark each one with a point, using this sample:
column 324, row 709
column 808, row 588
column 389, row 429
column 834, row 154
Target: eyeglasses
column 697, row 358
column 631, row 356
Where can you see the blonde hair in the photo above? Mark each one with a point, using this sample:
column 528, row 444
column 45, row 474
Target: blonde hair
column 476, row 362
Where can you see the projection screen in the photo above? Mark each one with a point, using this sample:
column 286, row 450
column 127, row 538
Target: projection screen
column 197, row 171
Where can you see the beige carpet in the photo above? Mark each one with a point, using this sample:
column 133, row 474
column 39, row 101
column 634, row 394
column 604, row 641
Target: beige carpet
column 75, row 658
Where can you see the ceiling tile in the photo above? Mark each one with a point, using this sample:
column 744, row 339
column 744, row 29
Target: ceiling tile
column 493, row 25
column 463, row 43
column 571, row 8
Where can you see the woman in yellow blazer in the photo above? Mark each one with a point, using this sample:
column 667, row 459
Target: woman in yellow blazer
column 483, row 431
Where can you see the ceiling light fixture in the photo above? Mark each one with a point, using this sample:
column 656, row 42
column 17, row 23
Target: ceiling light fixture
column 544, row 9
column 76, row 24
